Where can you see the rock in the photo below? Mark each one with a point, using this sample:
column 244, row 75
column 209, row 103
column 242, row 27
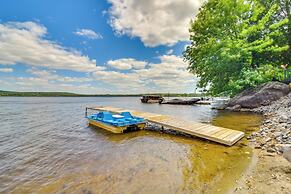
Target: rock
column 234, row 108
column 268, row 139
column 274, row 135
column 282, row 147
column 285, row 146
column 270, row 154
column 271, row 150
column 283, row 119
column 287, row 153
column 257, row 146
column 260, row 96
column 277, row 134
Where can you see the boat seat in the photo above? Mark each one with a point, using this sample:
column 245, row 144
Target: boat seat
column 127, row 115
column 106, row 117
column 130, row 118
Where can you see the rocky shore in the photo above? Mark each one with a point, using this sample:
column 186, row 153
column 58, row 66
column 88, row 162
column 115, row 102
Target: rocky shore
column 271, row 171
column 275, row 131
column 273, row 101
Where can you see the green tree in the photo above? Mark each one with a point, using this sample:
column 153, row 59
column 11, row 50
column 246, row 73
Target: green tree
column 236, row 44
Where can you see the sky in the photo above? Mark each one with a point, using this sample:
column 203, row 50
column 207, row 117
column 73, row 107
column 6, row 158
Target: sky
column 96, row 46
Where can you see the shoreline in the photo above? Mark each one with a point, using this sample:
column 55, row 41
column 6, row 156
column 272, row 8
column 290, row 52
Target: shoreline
column 267, row 173
column 270, row 169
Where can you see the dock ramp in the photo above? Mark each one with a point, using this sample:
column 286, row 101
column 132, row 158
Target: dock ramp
column 217, row 134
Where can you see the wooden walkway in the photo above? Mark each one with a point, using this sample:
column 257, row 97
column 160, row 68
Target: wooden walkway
column 217, row 134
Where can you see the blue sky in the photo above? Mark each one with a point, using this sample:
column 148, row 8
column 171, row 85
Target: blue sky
column 95, row 46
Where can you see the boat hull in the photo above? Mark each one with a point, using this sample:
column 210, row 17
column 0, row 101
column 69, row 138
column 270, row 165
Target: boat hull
column 113, row 129
column 181, row 102
column 151, row 99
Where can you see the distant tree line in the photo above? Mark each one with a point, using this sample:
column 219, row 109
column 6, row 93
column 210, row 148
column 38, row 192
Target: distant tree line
column 238, row 44
column 67, row 94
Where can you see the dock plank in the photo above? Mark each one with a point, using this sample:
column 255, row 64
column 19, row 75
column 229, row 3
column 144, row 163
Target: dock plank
column 213, row 133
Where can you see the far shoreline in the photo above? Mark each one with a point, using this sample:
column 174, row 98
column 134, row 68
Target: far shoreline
column 68, row 94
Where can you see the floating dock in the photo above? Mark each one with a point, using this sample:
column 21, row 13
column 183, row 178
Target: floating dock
column 217, row 134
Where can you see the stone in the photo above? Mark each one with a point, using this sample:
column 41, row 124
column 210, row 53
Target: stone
column 257, row 146
column 267, row 139
column 287, row 153
column 277, row 134
column 283, row 119
column 236, row 107
column 274, row 135
column 260, row 96
column 271, row 150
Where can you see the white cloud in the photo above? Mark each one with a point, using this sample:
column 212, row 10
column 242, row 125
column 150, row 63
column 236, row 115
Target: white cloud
column 88, row 33
column 49, row 80
column 127, row 64
column 51, row 75
column 155, row 22
column 25, row 43
column 169, row 75
column 44, row 85
column 6, row 70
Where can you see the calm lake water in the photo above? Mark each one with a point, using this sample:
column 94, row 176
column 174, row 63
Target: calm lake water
column 46, row 146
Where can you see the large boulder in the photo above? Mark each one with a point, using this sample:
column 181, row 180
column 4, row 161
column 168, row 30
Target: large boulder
column 260, row 96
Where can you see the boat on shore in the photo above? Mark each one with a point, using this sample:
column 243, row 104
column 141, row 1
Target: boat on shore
column 180, row 101
column 151, row 99
column 220, row 103
column 116, row 123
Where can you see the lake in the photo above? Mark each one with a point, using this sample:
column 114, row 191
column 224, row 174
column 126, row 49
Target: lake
column 46, row 146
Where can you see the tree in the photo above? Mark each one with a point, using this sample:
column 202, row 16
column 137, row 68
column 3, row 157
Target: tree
column 236, row 44
column 282, row 13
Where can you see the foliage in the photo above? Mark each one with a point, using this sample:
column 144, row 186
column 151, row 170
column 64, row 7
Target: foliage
column 237, row 44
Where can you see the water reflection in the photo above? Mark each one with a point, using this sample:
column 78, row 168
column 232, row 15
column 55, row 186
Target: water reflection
column 46, row 147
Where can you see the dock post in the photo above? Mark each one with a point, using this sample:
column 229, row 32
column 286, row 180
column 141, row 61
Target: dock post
column 86, row 113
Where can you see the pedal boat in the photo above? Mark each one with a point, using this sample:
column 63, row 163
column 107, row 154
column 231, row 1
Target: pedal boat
column 116, row 123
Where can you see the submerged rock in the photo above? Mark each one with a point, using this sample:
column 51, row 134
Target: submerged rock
column 262, row 95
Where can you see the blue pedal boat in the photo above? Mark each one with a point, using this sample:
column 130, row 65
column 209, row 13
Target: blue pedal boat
column 116, row 123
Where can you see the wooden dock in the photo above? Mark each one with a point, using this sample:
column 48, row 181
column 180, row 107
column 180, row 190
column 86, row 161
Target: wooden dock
column 217, row 134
